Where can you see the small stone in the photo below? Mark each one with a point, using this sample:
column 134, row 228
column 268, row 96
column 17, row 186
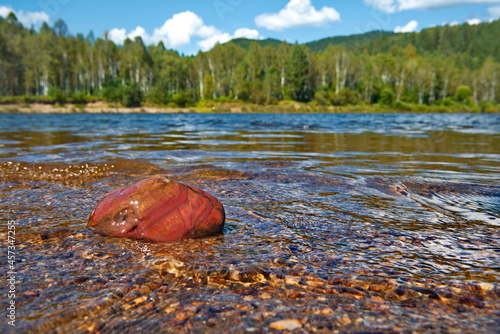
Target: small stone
column 191, row 309
column 287, row 324
column 346, row 320
column 292, row 280
column 32, row 293
column 377, row 299
column 135, row 302
column 486, row 286
column 327, row 311
column 265, row 295
column 211, row 322
column 85, row 254
column 295, row 294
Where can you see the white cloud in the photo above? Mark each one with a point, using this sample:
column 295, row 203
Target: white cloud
column 211, row 41
column 388, row 6
column 180, row 30
column 224, row 37
column 297, row 13
column 247, row 33
column 473, row 22
column 27, row 19
column 117, row 35
column 410, row 27
column 138, row 32
column 175, row 32
column 392, row 6
column 207, row 31
column 494, row 12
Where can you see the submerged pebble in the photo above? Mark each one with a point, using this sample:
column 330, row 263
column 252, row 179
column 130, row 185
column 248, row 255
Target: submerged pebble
column 287, row 324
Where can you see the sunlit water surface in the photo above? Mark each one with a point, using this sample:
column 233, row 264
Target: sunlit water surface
column 408, row 198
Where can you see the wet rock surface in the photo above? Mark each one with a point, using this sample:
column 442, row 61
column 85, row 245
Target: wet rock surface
column 158, row 209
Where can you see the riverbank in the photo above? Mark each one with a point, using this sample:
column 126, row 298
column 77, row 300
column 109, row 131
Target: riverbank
column 99, row 107
column 90, row 108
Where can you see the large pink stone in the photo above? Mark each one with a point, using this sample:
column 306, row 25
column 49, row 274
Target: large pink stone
column 158, row 209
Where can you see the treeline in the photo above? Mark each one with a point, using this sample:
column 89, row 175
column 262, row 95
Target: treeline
column 475, row 42
column 52, row 63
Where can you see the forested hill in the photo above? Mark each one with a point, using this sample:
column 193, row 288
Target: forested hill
column 481, row 40
column 354, row 41
column 245, row 43
column 358, row 41
column 438, row 67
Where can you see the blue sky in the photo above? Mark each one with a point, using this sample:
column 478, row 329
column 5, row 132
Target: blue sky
column 192, row 25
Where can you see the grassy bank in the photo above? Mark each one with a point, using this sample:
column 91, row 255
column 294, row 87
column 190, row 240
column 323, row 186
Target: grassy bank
column 96, row 105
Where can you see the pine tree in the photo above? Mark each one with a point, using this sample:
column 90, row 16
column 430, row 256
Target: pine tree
column 297, row 74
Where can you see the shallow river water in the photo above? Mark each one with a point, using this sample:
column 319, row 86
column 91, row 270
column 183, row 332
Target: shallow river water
column 383, row 223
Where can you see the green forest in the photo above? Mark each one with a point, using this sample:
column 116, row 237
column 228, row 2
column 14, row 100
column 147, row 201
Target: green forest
column 448, row 68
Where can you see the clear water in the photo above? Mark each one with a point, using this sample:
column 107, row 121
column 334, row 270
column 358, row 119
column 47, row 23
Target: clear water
column 404, row 197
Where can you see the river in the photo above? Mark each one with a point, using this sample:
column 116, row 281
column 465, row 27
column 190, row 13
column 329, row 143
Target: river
column 339, row 222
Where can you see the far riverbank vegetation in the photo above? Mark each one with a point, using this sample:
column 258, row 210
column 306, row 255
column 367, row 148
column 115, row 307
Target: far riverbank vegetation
column 441, row 69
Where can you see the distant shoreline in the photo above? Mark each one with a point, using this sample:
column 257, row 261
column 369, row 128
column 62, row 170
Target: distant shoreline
column 224, row 107
column 89, row 108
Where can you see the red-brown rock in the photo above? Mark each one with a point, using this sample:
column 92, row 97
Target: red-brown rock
column 158, row 209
